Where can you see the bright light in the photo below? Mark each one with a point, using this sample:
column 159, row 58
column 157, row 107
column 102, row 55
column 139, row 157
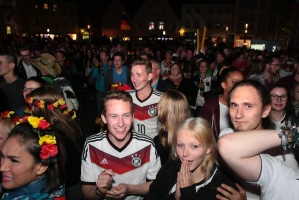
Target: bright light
column 88, row 26
column 164, row 32
column 226, row 28
column 48, row 30
column 246, row 26
column 245, row 31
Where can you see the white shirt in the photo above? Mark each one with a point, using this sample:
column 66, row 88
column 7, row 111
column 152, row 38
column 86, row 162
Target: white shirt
column 224, row 117
column 30, row 71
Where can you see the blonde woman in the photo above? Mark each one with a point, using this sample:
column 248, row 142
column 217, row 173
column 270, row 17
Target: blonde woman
column 193, row 171
column 173, row 109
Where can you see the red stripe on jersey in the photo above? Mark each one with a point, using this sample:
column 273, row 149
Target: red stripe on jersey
column 119, row 165
column 141, row 113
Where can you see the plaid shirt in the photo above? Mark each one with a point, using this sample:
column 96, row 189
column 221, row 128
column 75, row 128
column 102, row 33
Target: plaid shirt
column 264, row 81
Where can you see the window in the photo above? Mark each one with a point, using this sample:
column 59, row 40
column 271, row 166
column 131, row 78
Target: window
column 141, row 25
column 196, row 24
column 227, row 9
column 35, row 6
column 188, row 9
column 54, row 8
column 210, row 24
column 161, row 25
column 173, row 25
column 211, row 9
column 187, row 23
column 73, row 24
column 36, row 22
column 8, row 30
column 219, row 9
column 56, row 23
column 47, row 22
column 156, row 12
column 218, row 24
column 196, row 9
column 46, row 6
column 151, row 26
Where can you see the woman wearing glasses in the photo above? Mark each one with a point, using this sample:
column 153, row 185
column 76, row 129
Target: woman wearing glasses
column 282, row 109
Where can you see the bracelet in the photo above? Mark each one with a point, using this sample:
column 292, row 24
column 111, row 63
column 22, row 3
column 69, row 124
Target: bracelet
column 289, row 137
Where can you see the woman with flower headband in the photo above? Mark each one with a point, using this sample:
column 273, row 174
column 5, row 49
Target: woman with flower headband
column 32, row 162
column 46, row 102
column 6, row 124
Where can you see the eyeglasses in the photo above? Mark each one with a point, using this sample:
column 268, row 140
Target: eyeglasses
column 282, row 98
column 276, row 65
column 28, row 89
column 25, row 55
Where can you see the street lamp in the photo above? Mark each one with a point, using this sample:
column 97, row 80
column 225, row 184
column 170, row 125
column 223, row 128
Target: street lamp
column 246, row 26
column 226, row 31
column 88, row 26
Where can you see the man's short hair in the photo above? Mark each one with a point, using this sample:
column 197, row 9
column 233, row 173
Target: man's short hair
column 142, row 61
column 106, row 52
column 237, row 54
column 263, row 96
column 117, row 95
column 119, row 54
column 269, row 59
column 10, row 58
column 26, row 47
column 158, row 64
column 62, row 52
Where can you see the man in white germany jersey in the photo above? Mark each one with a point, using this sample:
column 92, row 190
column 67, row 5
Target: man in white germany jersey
column 118, row 163
column 145, row 98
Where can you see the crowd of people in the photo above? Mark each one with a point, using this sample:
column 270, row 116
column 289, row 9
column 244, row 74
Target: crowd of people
column 176, row 122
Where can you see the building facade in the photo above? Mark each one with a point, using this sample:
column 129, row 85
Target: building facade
column 8, row 18
column 111, row 20
column 49, row 17
column 156, row 19
column 216, row 16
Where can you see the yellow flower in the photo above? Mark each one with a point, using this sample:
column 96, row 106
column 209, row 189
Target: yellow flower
column 49, row 139
column 74, row 115
column 34, row 121
column 42, row 104
column 60, row 101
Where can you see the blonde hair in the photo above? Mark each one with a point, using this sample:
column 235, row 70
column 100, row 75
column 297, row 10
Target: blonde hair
column 6, row 124
column 173, row 109
column 201, row 130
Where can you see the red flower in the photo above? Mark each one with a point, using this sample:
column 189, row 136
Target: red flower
column 5, row 113
column 62, row 106
column 16, row 119
column 51, row 107
column 43, row 124
column 48, row 150
column 24, row 119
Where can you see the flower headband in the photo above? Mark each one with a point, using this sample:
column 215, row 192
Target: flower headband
column 47, row 140
column 60, row 103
